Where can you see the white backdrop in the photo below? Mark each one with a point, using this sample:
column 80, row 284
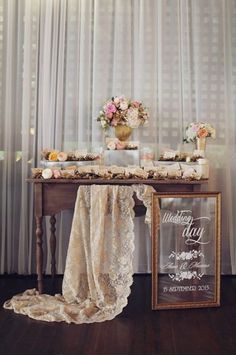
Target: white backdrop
column 59, row 61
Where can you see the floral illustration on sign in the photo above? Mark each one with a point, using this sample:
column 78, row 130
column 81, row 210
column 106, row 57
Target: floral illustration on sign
column 186, row 275
column 186, row 255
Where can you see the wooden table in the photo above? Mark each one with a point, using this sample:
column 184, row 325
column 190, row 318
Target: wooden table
column 53, row 196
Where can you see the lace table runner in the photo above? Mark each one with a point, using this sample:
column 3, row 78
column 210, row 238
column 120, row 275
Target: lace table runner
column 98, row 272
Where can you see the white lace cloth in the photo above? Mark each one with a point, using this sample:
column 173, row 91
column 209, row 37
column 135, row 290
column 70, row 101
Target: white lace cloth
column 98, row 272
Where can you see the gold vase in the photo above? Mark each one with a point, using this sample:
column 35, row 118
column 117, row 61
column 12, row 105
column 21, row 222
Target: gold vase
column 123, row 132
column 201, row 144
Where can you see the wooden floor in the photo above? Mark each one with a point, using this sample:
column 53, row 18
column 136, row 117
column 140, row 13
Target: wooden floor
column 138, row 330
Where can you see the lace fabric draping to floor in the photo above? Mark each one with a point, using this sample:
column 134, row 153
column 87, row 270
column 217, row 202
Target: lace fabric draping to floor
column 98, row 272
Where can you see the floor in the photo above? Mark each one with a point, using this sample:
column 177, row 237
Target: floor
column 138, row 330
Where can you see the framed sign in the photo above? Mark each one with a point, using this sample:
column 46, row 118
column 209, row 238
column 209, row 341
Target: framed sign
column 186, row 250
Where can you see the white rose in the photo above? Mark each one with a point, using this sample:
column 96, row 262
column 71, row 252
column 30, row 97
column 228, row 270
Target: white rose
column 116, row 101
column 212, row 133
column 103, row 123
column 191, row 135
column 132, row 118
column 124, row 105
column 111, row 145
column 47, row 173
column 188, row 173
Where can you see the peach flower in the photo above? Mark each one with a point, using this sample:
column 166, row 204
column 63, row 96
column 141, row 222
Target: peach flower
column 202, row 133
column 120, row 145
column 62, row 156
column 56, row 174
column 136, row 104
column 53, row 156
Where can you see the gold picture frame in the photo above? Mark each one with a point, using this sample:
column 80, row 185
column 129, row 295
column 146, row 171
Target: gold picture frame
column 186, row 243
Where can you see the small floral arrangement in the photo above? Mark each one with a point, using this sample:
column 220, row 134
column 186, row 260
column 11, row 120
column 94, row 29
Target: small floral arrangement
column 116, row 144
column 199, row 130
column 53, row 155
column 122, row 111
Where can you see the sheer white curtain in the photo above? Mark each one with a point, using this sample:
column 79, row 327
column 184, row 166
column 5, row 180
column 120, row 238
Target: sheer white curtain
column 59, row 61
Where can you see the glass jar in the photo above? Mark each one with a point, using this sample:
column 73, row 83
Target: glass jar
column 146, row 156
column 203, row 168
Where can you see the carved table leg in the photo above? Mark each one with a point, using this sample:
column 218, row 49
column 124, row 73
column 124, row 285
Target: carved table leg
column 39, row 253
column 53, row 245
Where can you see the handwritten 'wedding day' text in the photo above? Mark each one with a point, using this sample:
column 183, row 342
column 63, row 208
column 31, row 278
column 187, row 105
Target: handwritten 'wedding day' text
column 193, row 234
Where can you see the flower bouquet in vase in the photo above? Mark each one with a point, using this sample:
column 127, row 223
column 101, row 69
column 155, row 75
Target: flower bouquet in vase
column 197, row 133
column 123, row 115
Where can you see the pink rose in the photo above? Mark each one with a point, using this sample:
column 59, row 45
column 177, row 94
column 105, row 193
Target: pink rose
column 120, row 145
column 56, row 174
column 110, row 107
column 109, row 114
column 195, row 128
column 114, row 122
column 136, row 104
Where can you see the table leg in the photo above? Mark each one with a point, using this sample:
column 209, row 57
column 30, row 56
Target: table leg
column 39, row 253
column 53, row 244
